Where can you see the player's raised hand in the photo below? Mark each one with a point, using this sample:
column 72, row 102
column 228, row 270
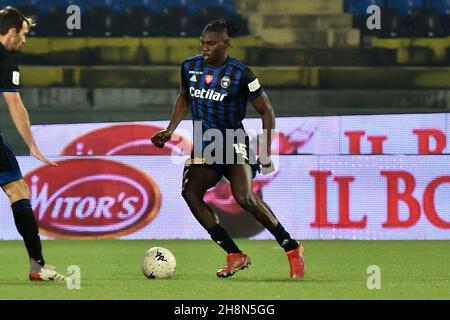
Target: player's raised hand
column 160, row 138
column 35, row 152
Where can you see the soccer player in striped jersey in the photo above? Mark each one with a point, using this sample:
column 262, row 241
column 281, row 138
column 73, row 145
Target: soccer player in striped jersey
column 216, row 88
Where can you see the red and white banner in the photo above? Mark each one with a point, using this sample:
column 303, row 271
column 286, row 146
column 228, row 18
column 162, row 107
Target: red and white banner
column 107, row 185
column 333, row 135
column 315, row 197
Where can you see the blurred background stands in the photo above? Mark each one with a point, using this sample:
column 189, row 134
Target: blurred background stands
column 314, row 57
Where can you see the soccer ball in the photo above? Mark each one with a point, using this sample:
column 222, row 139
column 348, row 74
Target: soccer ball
column 158, row 263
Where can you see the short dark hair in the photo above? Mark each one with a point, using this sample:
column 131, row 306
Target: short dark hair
column 12, row 18
column 220, row 26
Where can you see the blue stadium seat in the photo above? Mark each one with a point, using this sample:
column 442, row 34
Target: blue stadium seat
column 41, row 6
column 214, row 13
column 442, row 7
column 61, row 2
column 358, row 8
column 223, row 4
column 178, row 22
column 130, row 17
column 139, row 21
column 114, row 5
column 347, row 5
column 21, row 4
column 194, row 7
column 393, row 25
column 46, row 5
column 16, row 3
column 405, row 7
column 154, row 6
column 425, row 22
column 174, row 3
column 101, row 21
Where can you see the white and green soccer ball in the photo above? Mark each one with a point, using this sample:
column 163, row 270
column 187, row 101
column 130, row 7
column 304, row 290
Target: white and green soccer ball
column 158, row 263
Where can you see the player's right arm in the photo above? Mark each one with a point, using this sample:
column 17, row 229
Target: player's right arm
column 179, row 111
column 21, row 120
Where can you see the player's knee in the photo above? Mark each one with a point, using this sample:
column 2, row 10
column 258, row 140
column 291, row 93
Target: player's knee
column 245, row 199
column 184, row 194
column 18, row 192
column 189, row 195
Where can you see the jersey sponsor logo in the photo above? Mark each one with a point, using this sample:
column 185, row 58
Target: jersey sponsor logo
column 225, row 82
column 193, row 78
column 195, row 72
column 254, row 85
column 94, row 198
column 207, row 94
column 16, row 78
column 209, row 78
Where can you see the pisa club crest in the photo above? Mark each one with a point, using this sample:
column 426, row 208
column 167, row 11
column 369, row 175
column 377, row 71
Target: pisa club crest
column 127, row 139
column 92, row 198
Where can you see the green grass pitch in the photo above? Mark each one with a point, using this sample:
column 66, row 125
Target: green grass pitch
column 110, row 269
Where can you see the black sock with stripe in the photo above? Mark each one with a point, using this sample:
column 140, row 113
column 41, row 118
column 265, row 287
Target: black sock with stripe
column 221, row 237
column 283, row 238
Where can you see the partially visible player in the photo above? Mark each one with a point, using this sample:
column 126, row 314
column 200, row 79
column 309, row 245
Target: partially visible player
column 14, row 28
column 217, row 88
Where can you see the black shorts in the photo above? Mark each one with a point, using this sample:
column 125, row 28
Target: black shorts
column 242, row 154
column 9, row 168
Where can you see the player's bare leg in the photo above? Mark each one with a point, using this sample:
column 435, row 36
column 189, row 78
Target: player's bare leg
column 240, row 177
column 196, row 181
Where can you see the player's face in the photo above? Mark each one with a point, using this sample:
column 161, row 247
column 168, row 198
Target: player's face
column 19, row 39
column 214, row 47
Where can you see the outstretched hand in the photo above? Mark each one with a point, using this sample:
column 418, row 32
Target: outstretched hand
column 160, row 138
column 35, row 152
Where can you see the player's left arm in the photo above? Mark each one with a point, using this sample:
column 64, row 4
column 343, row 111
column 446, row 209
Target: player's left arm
column 263, row 106
column 21, row 120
